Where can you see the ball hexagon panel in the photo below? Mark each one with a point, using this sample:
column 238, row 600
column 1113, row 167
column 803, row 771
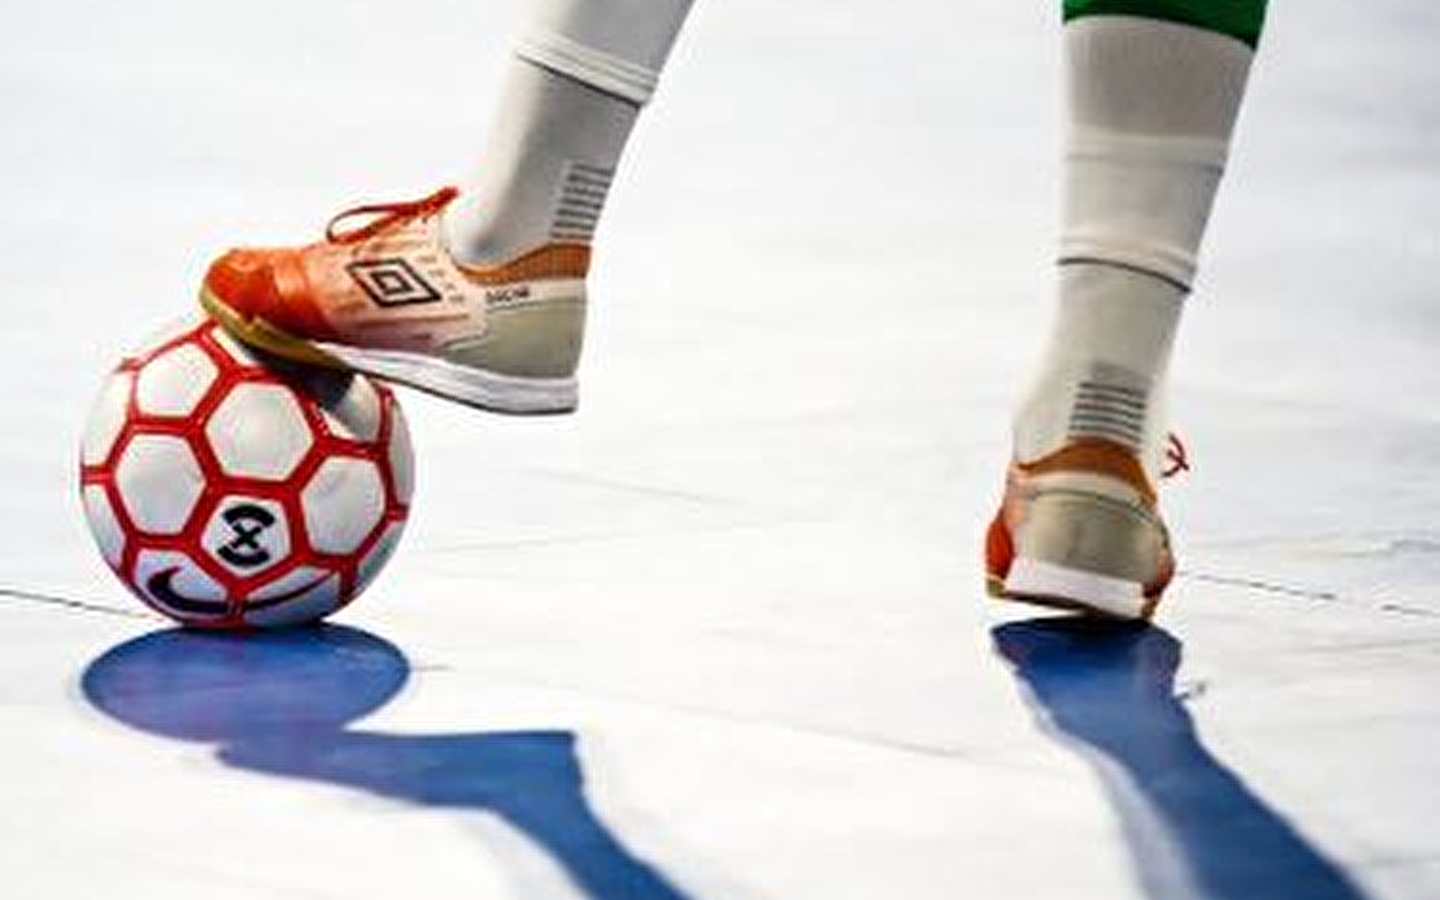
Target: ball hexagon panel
column 258, row 431
column 107, row 418
column 353, row 411
column 174, row 582
column 304, row 595
column 108, row 534
column 343, row 502
column 168, row 333
column 402, row 456
column 159, row 482
column 173, row 383
column 247, row 535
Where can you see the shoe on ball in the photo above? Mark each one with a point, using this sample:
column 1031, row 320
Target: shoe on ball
column 381, row 294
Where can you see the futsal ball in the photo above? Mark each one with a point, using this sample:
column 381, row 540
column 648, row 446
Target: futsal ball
column 229, row 491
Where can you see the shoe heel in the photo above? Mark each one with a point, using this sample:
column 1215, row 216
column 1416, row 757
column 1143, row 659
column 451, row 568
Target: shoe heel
column 1083, row 551
column 534, row 340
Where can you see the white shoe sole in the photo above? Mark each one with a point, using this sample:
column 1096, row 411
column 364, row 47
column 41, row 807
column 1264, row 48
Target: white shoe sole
column 466, row 384
column 1037, row 581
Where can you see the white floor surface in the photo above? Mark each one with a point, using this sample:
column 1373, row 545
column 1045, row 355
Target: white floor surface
column 721, row 635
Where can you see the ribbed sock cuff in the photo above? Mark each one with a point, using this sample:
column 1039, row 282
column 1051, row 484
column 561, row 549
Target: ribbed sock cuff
column 600, row 70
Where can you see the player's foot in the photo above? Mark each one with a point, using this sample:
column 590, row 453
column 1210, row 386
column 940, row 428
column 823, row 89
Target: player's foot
column 386, row 297
column 1079, row 529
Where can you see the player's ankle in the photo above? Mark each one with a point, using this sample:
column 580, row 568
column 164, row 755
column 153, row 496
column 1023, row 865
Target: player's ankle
column 477, row 248
column 471, row 243
column 1092, row 401
column 1102, row 373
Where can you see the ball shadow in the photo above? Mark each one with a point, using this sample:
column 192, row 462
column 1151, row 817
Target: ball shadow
column 1194, row 829
column 281, row 703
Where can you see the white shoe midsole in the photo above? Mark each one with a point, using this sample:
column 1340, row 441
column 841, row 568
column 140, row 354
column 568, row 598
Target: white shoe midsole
column 1037, row 578
column 477, row 387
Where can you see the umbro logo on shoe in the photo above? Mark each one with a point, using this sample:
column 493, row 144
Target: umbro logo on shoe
column 392, row 282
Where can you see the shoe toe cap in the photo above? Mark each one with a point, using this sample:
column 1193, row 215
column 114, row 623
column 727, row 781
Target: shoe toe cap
column 244, row 279
column 270, row 285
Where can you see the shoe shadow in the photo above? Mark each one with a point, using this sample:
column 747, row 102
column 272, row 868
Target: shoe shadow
column 1194, row 829
column 281, row 704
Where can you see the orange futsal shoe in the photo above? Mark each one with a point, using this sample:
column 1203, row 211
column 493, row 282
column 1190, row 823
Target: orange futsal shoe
column 386, row 298
column 1079, row 530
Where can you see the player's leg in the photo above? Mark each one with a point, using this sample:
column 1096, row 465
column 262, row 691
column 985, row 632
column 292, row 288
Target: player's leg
column 1154, row 90
column 477, row 297
column 582, row 71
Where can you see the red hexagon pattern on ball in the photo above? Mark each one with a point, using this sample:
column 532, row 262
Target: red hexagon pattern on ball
column 230, row 492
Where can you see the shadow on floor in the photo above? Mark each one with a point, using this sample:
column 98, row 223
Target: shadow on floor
column 1195, row 830
column 281, row 703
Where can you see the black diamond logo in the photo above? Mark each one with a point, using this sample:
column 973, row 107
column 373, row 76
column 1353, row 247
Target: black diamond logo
column 391, row 282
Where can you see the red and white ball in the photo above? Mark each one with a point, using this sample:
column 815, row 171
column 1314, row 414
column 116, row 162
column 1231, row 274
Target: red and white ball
column 231, row 492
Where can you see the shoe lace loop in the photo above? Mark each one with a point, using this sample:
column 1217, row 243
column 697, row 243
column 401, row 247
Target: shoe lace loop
column 1177, row 457
column 384, row 215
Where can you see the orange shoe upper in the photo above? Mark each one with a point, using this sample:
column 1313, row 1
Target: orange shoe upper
column 389, row 282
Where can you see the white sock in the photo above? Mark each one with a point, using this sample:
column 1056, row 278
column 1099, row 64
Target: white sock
column 1152, row 107
column 583, row 69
